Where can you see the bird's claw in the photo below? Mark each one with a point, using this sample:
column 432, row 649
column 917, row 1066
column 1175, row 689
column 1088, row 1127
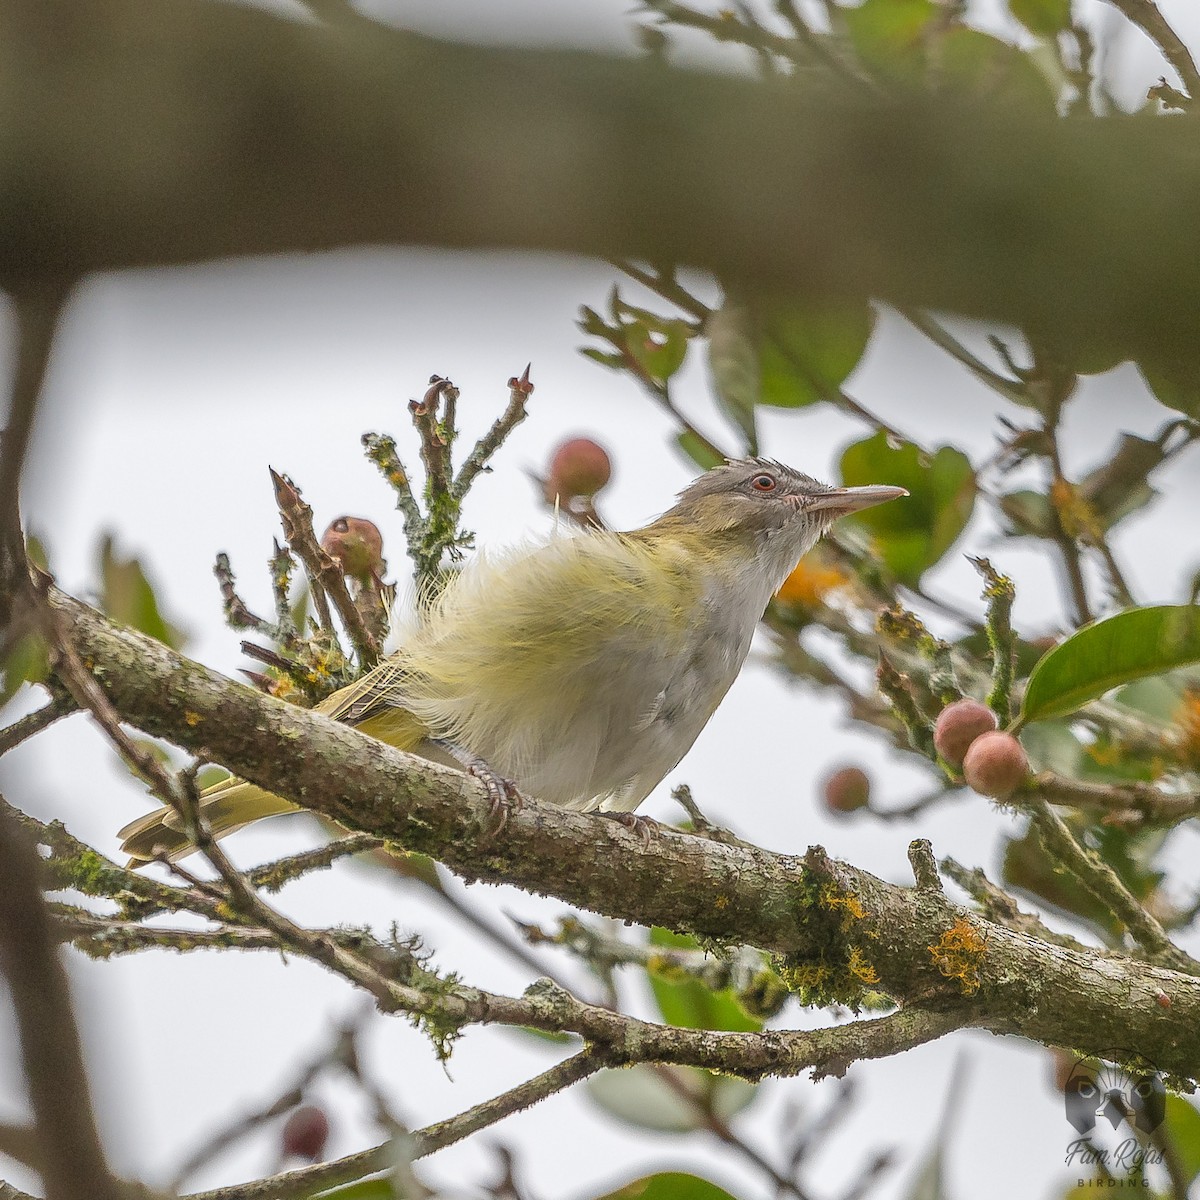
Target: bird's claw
column 645, row 827
column 503, row 795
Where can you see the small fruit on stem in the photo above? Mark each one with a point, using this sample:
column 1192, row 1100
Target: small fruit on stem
column 305, row 1133
column 996, row 765
column 958, row 725
column 578, row 468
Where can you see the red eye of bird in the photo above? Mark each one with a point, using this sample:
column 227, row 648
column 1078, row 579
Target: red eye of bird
column 763, row 483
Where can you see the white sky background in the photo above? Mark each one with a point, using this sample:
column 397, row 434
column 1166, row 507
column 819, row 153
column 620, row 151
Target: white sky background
column 171, row 392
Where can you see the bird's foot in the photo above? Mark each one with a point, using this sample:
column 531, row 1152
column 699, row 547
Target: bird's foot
column 503, row 795
column 644, row 827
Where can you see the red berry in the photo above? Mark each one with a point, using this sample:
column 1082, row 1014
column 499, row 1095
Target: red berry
column 579, row 467
column 958, row 725
column 305, row 1133
column 846, row 790
column 996, row 764
column 356, row 545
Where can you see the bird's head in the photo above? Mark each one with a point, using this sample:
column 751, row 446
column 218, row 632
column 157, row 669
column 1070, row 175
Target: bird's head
column 767, row 501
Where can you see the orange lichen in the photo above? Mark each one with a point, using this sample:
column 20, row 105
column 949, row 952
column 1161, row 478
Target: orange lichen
column 831, row 898
column 192, row 718
column 860, row 968
column 957, row 952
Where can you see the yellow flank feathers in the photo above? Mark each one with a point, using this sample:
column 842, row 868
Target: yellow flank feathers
column 581, row 669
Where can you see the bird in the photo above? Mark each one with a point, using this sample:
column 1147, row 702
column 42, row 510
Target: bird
column 581, row 669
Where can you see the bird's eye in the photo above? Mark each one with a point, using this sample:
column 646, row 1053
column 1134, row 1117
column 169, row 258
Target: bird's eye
column 763, row 483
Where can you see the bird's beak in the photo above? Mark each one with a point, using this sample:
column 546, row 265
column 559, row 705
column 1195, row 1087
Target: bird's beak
column 846, row 500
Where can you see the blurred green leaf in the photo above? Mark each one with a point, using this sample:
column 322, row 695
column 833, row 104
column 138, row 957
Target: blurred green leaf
column 1099, row 657
column 889, row 35
column 1043, row 18
column 977, row 64
column 362, row 1189
column 26, row 663
column 700, row 450
column 733, row 359
column 126, row 595
column 912, row 533
column 686, row 1002
column 669, row 1185
column 1030, row 514
column 1118, row 487
column 668, row 1099
column 1182, row 1130
column 659, row 347
column 807, row 354
column 1175, row 384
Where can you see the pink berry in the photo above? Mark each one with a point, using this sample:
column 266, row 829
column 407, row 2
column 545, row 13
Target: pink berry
column 846, row 790
column 305, row 1133
column 579, row 467
column 996, row 764
column 958, row 725
column 356, row 545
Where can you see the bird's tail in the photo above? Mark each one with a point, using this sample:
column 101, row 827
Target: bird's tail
column 226, row 807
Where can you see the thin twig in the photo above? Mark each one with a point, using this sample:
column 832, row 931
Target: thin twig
column 1012, row 389
column 432, row 1138
column 324, row 575
column 1106, row 886
column 33, row 723
column 72, row 1161
column 519, row 391
column 1146, row 16
column 38, row 307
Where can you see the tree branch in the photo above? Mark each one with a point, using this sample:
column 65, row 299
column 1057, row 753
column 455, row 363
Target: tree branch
column 803, row 909
column 68, row 1146
column 921, row 203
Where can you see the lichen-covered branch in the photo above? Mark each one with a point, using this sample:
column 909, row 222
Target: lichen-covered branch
column 831, row 924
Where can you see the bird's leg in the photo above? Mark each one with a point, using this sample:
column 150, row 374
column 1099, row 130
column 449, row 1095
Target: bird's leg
column 644, row 827
column 503, row 794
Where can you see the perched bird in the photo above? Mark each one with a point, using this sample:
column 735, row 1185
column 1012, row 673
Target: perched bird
column 581, row 670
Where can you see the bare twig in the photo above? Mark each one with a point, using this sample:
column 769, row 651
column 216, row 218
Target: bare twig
column 519, row 391
column 33, row 723
column 324, row 576
column 1104, row 883
column 72, row 1161
column 38, row 305
column 1147, row 17
column 425, row 1141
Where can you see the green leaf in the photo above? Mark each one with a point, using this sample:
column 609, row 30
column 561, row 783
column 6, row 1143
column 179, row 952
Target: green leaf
column 889, row 35
column 1030, row 514
column 669, row 1185
column 659, row 346
column 1175, row 383
column 362, row 1189
column 669, row 1099
column 700, row 450
column 1043, row 18
column 1182, row 1129
column 733, row 360
column 913, row 533
column 805, row 355
column 126, row 595
column 685, row 1001
column 26, row 663
column 1099, row 657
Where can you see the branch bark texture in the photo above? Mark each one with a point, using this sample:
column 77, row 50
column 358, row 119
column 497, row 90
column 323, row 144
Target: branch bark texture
column 812, row 911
